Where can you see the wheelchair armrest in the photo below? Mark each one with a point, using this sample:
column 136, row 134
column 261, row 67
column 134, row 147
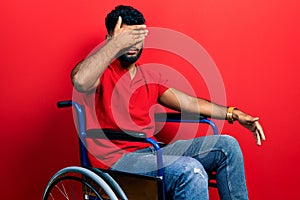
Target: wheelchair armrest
column 116, row 135
column 64, row 104
column 131, row 136
column 178, row 117
column 186, row 118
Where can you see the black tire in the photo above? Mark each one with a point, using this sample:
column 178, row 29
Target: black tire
column 78, row 183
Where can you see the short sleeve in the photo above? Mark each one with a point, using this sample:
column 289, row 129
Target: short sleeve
column 162, row 85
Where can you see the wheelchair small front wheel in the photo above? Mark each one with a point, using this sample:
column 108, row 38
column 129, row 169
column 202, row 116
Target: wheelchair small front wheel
column 77, row 183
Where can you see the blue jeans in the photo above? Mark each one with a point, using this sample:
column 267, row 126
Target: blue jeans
column 187, row 163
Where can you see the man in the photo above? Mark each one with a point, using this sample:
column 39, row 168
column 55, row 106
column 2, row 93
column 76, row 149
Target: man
column 124, row 96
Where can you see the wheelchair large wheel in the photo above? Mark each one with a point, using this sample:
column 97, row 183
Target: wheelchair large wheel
column 78, row 183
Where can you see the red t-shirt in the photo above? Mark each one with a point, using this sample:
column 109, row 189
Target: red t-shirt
column 123, row 103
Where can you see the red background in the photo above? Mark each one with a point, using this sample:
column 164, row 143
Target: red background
column 255, row 45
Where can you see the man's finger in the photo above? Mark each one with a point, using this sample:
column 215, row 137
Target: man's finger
column 136, row 27
column 260, row 131
column 255, row 119
column 119, row 23
column 140, row 32
column 257, row 137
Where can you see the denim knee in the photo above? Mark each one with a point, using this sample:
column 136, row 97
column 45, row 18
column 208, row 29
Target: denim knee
column 230, row 146
column 191, row 167
column 188, row 179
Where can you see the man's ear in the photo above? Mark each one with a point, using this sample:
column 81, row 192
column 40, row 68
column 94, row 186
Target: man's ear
column 108, row 37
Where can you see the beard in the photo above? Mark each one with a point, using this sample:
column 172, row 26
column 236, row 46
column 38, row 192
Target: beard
column 128, row 59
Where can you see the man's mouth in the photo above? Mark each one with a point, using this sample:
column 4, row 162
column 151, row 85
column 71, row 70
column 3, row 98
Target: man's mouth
column 132, row 51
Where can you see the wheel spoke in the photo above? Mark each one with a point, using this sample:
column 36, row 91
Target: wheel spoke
column 63, row 193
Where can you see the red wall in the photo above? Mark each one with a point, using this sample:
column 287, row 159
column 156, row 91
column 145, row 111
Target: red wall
column 255, row 45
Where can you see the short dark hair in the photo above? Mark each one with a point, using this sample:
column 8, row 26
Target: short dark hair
column 130, row 16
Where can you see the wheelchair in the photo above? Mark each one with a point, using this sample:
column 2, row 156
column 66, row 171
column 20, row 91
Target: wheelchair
column 88, row 183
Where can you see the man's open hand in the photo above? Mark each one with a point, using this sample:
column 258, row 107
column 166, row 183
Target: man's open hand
column 252, row 124
column 126, row 36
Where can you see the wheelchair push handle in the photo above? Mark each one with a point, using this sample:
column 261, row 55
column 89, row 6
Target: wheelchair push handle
column 64, row 104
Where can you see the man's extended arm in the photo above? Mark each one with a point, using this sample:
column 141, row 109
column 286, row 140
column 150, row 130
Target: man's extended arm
column 182, row 102
column 85, row 76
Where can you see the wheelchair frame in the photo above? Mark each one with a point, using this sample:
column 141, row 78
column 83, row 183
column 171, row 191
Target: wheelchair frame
column 92, row 178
